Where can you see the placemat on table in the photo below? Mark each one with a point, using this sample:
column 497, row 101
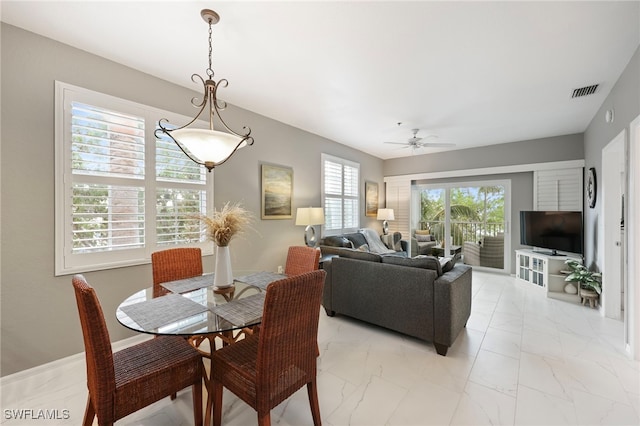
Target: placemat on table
column 189, row 284
column 163, row 310
column 260, row 279
column 241, row 311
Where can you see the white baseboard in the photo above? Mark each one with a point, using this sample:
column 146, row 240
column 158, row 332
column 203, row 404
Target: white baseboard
column 65, row 362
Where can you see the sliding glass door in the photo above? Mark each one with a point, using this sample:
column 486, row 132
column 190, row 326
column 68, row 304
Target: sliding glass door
column 468, row 219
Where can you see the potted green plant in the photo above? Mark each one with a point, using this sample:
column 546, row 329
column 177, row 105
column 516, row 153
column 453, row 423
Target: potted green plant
column 588, row 280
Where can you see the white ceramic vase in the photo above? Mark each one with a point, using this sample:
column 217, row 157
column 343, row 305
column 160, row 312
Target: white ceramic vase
column 570, row 288
column 223, row 275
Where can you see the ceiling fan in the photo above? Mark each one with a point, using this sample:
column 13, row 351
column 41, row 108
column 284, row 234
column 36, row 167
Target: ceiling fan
column 415, row 142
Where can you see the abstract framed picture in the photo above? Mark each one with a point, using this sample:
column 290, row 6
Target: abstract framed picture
column 371, row 198
column 277, row 191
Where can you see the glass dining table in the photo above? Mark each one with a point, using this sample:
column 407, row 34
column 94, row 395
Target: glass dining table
column 196, row 309
column 194, row 306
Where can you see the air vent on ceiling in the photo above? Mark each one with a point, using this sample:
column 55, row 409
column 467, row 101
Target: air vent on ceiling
column 585, row 91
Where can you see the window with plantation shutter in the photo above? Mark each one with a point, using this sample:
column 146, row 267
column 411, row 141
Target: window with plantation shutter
column 180, row 197
column 107, row 165
column 558, row 189
column 120, row 192
column 340, row 194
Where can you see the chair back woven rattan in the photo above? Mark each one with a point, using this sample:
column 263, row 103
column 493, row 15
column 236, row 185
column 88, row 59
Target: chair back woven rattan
column 123, row 382
column 301, row 259
column 266, row 368
column 175, row 264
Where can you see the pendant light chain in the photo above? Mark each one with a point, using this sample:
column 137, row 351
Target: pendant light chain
column 210, row 69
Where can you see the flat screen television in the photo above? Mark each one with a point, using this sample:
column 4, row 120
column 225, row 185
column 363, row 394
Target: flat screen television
column 552, row 230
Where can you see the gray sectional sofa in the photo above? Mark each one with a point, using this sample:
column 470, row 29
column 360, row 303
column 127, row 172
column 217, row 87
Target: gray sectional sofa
column 414, row 296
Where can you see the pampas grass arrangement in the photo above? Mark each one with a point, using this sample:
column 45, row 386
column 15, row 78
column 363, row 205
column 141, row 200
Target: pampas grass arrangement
column 224, row 224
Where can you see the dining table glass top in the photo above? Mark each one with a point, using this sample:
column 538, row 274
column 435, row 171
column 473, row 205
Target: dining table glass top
column 193, row 306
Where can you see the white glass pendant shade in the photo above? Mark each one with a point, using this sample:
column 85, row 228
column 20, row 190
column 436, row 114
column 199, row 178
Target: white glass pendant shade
column 208, row 146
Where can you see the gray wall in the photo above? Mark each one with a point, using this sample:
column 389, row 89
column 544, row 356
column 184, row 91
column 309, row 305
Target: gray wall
column 625, row 100
column 559, row 148
column 39, row 319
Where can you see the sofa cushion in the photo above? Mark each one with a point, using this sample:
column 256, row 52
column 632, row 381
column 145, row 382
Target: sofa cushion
column 425, row 262
column 424, row 238
column 337, row 241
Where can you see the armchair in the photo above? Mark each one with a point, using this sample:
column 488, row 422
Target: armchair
column 490, row 253
column 422, row 242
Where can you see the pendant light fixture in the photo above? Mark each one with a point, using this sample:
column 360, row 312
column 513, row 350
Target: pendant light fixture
column 207, row 147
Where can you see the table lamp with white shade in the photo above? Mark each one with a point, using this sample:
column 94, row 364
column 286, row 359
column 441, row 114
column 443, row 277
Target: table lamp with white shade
column 384, row 215
column 310, row 216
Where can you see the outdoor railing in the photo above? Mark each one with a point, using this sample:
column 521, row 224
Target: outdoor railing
column 463, row 231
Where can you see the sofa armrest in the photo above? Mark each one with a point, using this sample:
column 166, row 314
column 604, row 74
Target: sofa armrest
column 452, row 296
column 326, row 293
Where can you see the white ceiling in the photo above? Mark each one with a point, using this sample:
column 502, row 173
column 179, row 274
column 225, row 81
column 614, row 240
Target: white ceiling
column 472, row 73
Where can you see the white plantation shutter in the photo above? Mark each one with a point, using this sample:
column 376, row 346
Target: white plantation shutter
column 398, row 198
column 180, row 195
column 106, row 143
column 559, row 189
column 107, row 209
column 121, row 193
column 107, row 217
column 341, row 194
column 176, row 215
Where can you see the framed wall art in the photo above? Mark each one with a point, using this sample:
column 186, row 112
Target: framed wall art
column 277, row 192
column 371, row 199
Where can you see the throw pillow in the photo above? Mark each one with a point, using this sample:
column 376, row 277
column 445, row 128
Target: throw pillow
column 337, row 241
column 423, row 238
column 397, row 237
column 446, row 263
column 364, row 247
column 422, row 232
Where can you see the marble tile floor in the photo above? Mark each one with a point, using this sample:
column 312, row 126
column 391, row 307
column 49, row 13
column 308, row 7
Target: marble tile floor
column 523, row 359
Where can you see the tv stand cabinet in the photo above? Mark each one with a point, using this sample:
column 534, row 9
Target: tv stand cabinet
column 545, row 271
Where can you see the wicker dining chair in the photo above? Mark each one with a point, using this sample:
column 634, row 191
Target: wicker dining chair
column 177, row 264
column 264, row 369
column 301, row 259
column 123, row 382
column 174, row 264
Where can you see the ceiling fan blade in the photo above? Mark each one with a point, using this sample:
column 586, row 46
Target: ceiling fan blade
column 437, row 144
column 417, row 143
